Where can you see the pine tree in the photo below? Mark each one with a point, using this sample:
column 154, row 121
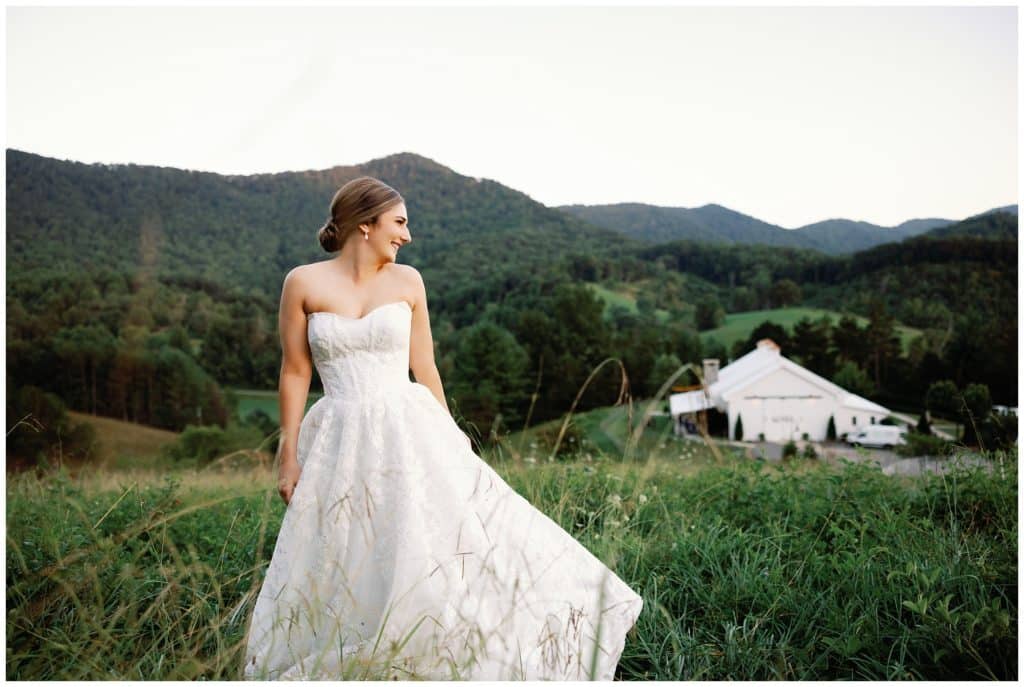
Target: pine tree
column 923, row 425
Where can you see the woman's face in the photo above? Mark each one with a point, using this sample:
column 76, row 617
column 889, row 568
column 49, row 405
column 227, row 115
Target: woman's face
column 391, row 232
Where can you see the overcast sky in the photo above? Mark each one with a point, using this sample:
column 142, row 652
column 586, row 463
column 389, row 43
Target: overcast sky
column 793, row 115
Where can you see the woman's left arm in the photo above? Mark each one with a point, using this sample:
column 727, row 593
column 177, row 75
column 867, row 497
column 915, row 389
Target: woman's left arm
column 421, row 342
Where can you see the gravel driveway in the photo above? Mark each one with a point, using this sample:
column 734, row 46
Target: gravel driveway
column 894, row 464
column 890, row 462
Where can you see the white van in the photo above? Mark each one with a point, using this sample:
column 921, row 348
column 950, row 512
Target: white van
column 881, row 436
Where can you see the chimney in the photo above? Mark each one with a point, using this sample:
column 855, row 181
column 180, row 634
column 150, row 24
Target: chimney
column 710, row 371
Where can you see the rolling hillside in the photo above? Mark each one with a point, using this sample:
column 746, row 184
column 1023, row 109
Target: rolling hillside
column 248, row 231
column 718, row 224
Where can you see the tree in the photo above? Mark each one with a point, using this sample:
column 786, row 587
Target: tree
column 976, row 407
column 852, row 378
column 743, row 298
column 830, row 433
column 785, row 292
column 924, row 425
column 665, row 365
column 941, row 397
column 709, row 313
column 810, row 344
column 849, row 340
column 738, row 431
column 880, row 337
column 767, row 330
column 492, row 374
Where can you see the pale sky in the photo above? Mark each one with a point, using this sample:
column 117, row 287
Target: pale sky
column 790, row 114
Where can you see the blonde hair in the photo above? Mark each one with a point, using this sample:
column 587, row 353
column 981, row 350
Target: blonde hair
column 360, row 201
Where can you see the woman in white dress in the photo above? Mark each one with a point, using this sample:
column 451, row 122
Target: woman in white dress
column 402, row 554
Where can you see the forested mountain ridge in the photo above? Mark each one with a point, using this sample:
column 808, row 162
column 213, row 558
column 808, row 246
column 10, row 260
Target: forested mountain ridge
column 717, row 224
column 998, row 224
column 140, row 293
column 250, row 230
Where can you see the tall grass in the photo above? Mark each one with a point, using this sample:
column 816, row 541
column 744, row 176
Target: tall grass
column 748, row 570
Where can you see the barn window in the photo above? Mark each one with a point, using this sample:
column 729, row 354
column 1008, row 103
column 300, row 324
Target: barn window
column 872, row 419
column 854, row 419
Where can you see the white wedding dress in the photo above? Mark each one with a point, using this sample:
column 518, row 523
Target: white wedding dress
column 403, row 554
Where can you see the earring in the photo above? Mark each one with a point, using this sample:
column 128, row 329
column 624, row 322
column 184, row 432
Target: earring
column 366, row 235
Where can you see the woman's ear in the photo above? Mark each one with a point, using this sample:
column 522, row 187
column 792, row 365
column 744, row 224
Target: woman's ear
column 369, row 225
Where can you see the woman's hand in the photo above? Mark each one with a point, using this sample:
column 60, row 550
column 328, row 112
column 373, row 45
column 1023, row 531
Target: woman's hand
column 288, row 477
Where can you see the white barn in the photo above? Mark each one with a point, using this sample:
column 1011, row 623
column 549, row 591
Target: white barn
column 776, row 397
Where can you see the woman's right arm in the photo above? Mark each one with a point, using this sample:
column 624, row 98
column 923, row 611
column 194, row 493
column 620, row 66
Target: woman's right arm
column 293, row 385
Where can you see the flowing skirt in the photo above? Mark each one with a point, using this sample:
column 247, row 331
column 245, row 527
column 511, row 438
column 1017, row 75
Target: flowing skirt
column 403, row 554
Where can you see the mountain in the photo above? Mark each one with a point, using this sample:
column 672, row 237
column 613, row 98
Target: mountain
column 249, row 230
column 655, row 224
column 997, row 224
column 715, row 223
column 1012, row 209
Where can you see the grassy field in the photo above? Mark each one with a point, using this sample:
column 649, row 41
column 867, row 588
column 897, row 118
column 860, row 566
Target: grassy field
column 126, row 445
column 737, row 326
column 256, row 399
column 748, row 570
column 625, row 299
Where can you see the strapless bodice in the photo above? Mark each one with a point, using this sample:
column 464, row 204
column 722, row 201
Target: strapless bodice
column 361, row 357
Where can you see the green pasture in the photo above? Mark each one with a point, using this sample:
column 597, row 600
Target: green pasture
column 738, row 326
column 267, row 401
column 749, row 571
column 625, row 300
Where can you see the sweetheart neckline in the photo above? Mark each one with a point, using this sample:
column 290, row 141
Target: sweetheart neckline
column 357, row 319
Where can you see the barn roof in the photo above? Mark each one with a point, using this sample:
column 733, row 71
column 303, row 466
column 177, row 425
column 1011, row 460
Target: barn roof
column 765, row 359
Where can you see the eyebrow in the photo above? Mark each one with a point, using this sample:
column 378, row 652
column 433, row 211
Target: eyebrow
column 400, row 218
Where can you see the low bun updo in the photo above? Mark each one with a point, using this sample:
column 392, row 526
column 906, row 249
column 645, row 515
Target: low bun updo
column 360, row 201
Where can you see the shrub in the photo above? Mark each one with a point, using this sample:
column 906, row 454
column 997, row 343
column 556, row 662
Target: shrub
column 1000, row 431
column 266, row 426
column 571, row 440
column 203, row 444
column 809, row 452
column 739, row 428
column 40, row 431
column 923, row 445
column 789, row 450
column 923, row 426
column 830, row 433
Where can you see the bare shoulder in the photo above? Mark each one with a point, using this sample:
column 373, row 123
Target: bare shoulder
column 299, row 283
column 411, row 279
column 297, row 275
column 408, row 276
column 406, row 272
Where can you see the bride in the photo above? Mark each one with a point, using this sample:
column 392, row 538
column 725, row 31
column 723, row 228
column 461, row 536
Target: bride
column 402, row 554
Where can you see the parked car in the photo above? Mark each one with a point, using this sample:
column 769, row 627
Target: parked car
column 879, row 436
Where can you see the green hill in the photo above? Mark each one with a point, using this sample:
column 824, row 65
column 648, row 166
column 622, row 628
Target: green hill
column 248, row 231
column 738, row 326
